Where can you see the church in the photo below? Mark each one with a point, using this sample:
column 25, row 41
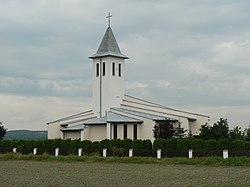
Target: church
column 114, row 114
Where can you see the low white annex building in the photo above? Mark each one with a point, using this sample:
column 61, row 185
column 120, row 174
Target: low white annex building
column 115, row 114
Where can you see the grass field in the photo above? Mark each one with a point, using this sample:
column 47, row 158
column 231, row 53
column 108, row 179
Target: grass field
column 52, row 173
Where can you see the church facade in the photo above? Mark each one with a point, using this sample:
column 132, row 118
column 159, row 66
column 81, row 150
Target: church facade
column 114, row 114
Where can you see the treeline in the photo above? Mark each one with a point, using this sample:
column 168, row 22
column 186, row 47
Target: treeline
column 119, row 147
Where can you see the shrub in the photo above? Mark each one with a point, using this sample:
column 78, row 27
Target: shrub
column 65, row 146
column 238, row 145
column 126, row 144
column 197, row 144
column 13, row 143
column 184, row 144
column 46, row 147
column 247, row 145
column 86, row 145
column 56, row 143
column 95, row 146
column 104, row 144
column 74, row 145
column 210, row 145
column 115, row 143
column 28, row 146
column 137, row 144
column 223, row 144
column 159, row 144
column 171, row 144
column 38, row 144
column 146, row 144
column 5, row 143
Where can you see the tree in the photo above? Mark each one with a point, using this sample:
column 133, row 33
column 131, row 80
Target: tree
column 220, row 130
column 179, row 132
column 206, row 132
column 163, row 129
column 2, row 131
column 236, row 133
column 247, row 133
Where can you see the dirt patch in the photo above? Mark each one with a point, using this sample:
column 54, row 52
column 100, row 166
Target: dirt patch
column 32, row 173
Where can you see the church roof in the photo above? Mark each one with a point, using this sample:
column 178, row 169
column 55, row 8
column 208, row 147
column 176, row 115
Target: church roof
column 74, row 128
column 112, row 117
column 108, row 46
column 146, row 115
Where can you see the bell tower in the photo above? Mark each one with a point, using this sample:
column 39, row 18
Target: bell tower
column 108, row 74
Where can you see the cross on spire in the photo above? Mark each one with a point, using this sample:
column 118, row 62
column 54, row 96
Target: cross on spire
column 109, row 16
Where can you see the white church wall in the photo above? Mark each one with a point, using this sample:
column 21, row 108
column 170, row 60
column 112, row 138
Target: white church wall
column 196, row 125
column 95, row 132
column 130, row 131
column 120, row 131
column 54, row 130
column 184, row 123
column 145, row 130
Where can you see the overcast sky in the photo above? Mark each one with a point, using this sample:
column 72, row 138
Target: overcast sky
column 191, row 55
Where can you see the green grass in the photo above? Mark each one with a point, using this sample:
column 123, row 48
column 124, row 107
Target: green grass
column 107, row 172
column 213, row 161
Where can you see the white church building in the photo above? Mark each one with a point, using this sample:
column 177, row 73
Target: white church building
column 115, row 114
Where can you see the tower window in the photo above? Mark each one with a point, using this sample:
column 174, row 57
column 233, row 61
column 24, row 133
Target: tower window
column 103, row 68
column 120, row 70
column 135, row 131
column 115, row 131
column 97, row 69
column 113, row 69
column 125, row 131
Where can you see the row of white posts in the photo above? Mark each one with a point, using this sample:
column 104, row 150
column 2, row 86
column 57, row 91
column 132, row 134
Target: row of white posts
column 130, row 152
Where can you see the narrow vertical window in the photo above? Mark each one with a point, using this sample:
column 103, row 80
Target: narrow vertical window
column 113, row 69
column 135, row 132
column 97, row 69
column 103, row 68
column 120, row 70
column 125, row 131
column 115, row 131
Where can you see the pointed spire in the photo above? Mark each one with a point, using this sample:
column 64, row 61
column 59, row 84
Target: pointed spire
column 108, row 46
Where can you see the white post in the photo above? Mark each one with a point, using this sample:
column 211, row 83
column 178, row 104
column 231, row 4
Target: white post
column 34, row 151
column 56, row 151
column 14, row 150
column 108, row 131
column 225, row 154
column 82, row 135
column 104, row 152
column 80, row 152
column 158, row 153
column 190, row 153
column 130, row 152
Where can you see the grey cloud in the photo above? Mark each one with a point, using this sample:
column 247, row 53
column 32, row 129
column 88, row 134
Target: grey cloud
column 181, row 52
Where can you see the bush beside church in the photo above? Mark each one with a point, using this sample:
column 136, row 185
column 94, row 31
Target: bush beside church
column 117, row 147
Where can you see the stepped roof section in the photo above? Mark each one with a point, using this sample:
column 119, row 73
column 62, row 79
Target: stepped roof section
column 108, row 46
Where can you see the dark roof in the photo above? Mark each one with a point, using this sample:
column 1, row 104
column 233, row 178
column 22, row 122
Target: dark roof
column 112, row 117
column 74, row 128
column 109, row 46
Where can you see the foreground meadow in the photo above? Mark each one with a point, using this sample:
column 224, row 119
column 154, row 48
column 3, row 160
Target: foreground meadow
column 51, row 173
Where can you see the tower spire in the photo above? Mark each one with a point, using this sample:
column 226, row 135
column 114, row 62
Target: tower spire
column 109, row 18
